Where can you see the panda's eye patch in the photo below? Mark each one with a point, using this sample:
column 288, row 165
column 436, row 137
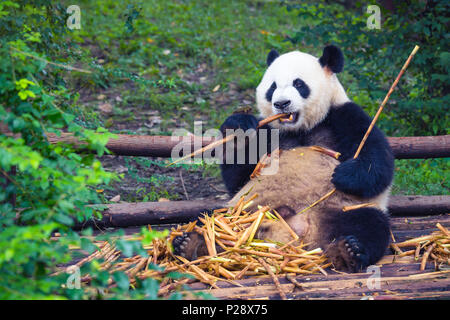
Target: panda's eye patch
column 298, row 83
column 301, row 87
column 270, row 91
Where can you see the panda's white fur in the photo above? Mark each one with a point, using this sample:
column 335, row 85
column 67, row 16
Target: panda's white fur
column 325, row 90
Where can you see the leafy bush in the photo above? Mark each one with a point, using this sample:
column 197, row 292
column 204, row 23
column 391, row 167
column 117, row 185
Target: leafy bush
column 45, row 187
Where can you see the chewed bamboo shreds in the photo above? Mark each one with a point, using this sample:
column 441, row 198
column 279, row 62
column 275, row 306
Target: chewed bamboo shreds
column 428, row 248
column 233, row 230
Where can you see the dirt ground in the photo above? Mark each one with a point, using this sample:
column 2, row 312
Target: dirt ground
column 170, row 183
column 143, row 180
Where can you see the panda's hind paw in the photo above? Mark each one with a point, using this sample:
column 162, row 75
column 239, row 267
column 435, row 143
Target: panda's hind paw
column 189, row 245
column 348, row 254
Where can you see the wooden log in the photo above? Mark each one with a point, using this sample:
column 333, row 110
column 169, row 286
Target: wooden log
column 143, row 213
column 137, row 145
column 420, row 147
column 418, row 205
column 161, row 146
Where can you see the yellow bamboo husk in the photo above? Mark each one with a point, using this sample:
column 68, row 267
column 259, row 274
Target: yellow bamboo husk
column 234, row 231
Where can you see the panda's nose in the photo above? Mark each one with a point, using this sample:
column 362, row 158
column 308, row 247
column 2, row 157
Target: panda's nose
column 283, row 104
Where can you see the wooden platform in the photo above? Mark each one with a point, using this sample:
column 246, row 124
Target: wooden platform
column 400, row 278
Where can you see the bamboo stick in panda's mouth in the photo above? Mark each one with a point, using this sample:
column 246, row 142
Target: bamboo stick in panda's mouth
column 280, row 116
column 231, row 136
column 289, row 119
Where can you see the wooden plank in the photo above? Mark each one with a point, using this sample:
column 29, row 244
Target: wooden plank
column 405, row 284
column 401, row 278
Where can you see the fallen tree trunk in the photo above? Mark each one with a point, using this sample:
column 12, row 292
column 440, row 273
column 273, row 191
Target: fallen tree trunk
column 418, row 205
column 161, row 146
column 143, row 213
column 420, row 147
column 136, row 145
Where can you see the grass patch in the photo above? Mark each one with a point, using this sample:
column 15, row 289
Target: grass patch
column 422, row 177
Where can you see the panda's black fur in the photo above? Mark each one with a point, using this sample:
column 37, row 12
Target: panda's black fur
column 352, row 240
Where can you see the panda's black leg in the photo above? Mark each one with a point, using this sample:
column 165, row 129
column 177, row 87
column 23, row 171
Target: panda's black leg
column 358, row 238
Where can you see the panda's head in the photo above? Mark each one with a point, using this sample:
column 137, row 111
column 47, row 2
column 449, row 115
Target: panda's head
column 302, row 85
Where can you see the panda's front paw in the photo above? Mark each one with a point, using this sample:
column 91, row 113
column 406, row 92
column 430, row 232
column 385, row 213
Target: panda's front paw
column 348, row 254
column 239, row 121
column 349, row 178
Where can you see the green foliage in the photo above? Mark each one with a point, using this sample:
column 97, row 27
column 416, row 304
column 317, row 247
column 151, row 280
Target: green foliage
column 170, row 40
column 420, row 105
column 46, row 187
column 154, row 54
column 424, row 177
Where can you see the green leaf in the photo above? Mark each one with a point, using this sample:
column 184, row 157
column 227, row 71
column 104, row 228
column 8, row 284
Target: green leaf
column 121, row 280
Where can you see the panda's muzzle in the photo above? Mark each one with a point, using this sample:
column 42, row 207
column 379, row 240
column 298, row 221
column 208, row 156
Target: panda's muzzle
column 282, row 105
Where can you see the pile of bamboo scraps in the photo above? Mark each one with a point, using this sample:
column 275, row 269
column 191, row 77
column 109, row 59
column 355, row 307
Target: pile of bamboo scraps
column 434, row 247
column 233, row 229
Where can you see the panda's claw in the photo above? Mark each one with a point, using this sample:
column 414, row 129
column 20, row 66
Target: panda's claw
column 189, row 245
column 179, row 244
column 347, row 254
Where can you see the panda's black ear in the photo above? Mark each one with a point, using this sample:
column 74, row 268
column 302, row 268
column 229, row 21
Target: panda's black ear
column 273, row 54
column 332, row 58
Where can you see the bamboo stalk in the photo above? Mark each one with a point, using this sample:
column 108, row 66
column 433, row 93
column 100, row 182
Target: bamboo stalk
column 225, row 227
column 272, row 118
column 231, row 264
column 255, row 225
column 243, row 271
column 326, row 151
column 444, row 230
column 286, row 225
column 258, row 253
column 359, row 206
column 417, row 252
column 226, row 139
column 425, row 257
column 258, row 167
column 372, row 124
column 380, row 109
column 209, row 245
column 274, row 278
column 326, row 196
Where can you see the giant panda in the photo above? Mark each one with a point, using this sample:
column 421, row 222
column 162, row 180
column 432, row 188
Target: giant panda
column 307, row 88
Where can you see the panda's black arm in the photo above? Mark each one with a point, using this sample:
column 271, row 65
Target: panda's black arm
column 235, row 175
column 372, row 172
